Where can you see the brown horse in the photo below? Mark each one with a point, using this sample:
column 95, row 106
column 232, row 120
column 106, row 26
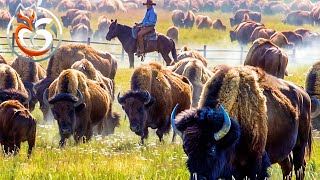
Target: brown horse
column 163, row 44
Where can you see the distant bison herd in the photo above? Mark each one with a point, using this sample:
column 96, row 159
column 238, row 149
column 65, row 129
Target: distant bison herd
column 234, row 121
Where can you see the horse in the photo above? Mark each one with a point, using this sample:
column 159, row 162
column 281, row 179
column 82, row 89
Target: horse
column 163, row 44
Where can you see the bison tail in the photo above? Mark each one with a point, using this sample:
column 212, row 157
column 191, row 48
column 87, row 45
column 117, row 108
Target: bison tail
column 309, row 146
column 174, row 51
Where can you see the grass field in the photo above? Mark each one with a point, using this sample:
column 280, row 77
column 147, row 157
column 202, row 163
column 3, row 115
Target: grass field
column 120, row 156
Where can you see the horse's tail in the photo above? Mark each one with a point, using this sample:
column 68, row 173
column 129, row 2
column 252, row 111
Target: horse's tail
column 174, row 51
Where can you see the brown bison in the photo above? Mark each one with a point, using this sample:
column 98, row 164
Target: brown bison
column 173, row 33
column 198, row 19
column 315, row 14
column 293, row 37
column 177, row 18
column 275, row 7
column 217, row 24
column 281, row 40
column 110, row 6
column 65, row 5
column 71, row 14
column 5, row 18
column 103, row 27
column 261, row 32
column 196, row 72
column 80, row 32
column 81, row 18
column 205, row 22
column 83, row 5
column 154, row 92
column 78, row 104
column 239, row 16
column 243, row 31
column 227, row 5
column 303, row 5
column 30, row 73
column 17, row 125
column 268, row 56
column 187, row 52
column 189, row 19
column 246, row 120
column 11, row 86
column 63, row 59
column 298, row 18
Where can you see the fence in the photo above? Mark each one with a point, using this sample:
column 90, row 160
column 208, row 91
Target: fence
column 235, row 56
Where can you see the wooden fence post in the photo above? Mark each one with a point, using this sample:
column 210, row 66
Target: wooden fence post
column 205, row 51
column 88, row 42
column 122, row 54
column 12, row 42
column 241, row 55
column 159, row 57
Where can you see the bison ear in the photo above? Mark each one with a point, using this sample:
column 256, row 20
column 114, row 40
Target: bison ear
column 116, row 21
column 80, row 107
column 149, row 103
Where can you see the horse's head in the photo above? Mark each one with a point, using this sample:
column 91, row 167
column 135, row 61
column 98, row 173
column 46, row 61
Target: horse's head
column 113, row 30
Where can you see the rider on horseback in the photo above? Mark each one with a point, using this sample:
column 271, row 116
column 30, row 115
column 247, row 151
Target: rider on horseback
column 147, row 25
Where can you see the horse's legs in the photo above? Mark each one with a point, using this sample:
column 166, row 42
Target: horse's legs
column 131, row 60
column 166, row 58
column 286, row 166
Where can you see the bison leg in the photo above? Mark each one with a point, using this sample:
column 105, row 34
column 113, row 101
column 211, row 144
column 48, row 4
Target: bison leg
column 31, row 143
column 144, row 134
column 131, row 60
column 299, row 162
column 62, row 142
column 286, row 166
column 16, row 147
column 160, row 135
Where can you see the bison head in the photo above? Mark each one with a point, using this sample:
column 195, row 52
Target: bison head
column 65, row 21
column 315, row 106
column 136, row 104
column 33, row 101
column 113, row 30
column 209, row 137
column 232, row 36
column 64, row 107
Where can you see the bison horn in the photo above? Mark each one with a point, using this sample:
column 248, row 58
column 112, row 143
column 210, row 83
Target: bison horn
column 119, row 98
column 173, row 115
column 225, row 127
column 80, row 100
column 148, row 99
column 45, row 98
column 29, row 97
column 316, row 112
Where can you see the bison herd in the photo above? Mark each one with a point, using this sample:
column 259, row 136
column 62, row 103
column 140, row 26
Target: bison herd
column 234, row 121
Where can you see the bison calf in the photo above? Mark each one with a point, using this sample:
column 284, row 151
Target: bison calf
column 16, row 125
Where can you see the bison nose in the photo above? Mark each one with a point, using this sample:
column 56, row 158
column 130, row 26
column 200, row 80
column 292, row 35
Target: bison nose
column 135, row 128
column 65, row 132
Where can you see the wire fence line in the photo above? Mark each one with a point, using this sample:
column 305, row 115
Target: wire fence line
column 237, row 56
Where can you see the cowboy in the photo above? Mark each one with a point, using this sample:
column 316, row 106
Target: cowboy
column 147, row 25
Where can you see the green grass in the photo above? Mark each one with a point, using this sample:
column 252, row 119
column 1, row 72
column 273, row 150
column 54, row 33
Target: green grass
column 120, row 156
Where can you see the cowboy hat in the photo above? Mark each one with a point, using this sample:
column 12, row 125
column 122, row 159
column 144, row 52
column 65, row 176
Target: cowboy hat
column 150, row 2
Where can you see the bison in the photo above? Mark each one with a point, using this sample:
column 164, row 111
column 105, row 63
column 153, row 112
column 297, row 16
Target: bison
column 5, row 18
column 81, row 18
column 246, row 120
column 17, row 125
column 268, row 56
column 173, row 33
column 197, row 74
column 65, row 5
column 298, row 18
column 177, row 18
column 293, row 37
column 239, row 16
column 63, row 59
column 189, row 19
column 217, row 24
column 83, row 5
column 80, row 32
column 186, row 52
column 11, row 86
column 281, row 40
column 103, row 27
column 243, row 31
column 30, row 73
column 205, row 22
column 154, row 92
column 71, row 14
column 261, row 32
column 78, row 104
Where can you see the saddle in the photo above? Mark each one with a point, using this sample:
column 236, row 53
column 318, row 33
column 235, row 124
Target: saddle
column 152, row 36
